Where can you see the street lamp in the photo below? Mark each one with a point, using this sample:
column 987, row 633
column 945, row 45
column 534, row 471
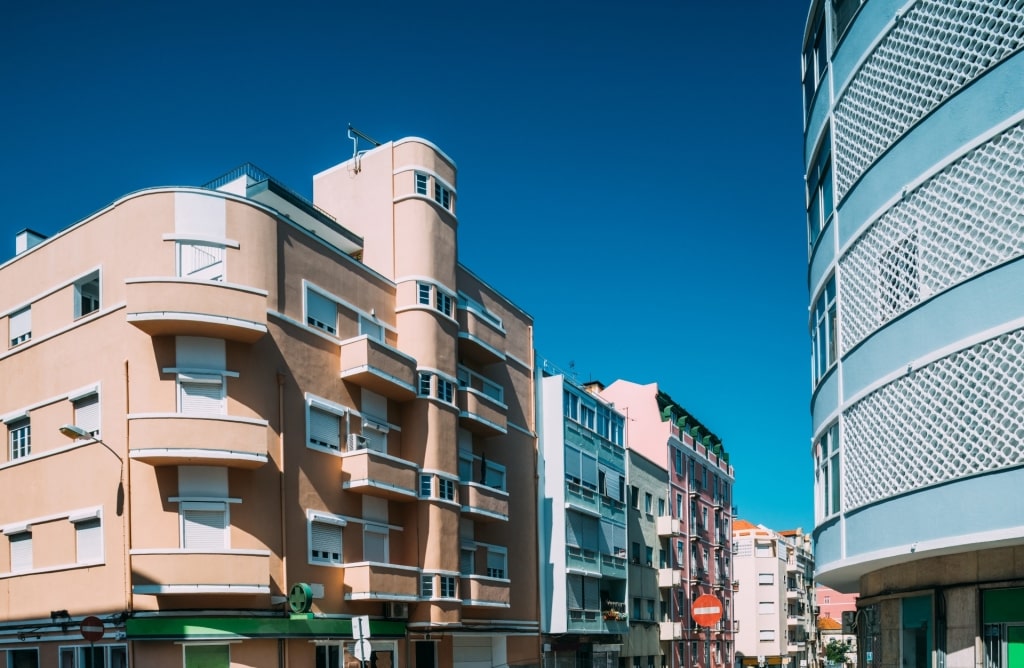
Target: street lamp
column 77, row 433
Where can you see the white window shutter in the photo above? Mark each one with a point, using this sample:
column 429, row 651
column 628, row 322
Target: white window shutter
column 89, row 540
column 321, row 312
column 324, row 428
column 375, row 545
column 202, row 395
column 20, row 324
column 87, row 414
column 21, row 552
column 204, row 526
column 325, row 542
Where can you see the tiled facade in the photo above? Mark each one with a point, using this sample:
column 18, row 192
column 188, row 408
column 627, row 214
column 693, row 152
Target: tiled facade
column 274, row 407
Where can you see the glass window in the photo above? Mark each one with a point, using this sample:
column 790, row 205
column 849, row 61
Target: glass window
column 325, row 542
column 201, row 261
column 423, row 291
column 87, row 294
column 427, row 586
column 828, row 472
column 446, row 489
column 426, row 485
column 824, row 342
column 424, row 384
column 448, row 586
column 421, row 183
column 20, row 438
column 20, row 326
column 321, row 312
column 820, row 200
column 324, row 428
column 815, row 60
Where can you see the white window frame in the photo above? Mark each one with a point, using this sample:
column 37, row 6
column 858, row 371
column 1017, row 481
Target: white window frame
column 19, row 438
column 20, row 326
column 449, row 586
column 325, row 521
column 421, row 183
column 444, row 196
column 322, row 408
column 426, row 485
column 427, row 585
column 85, row 301
column 317, row 311
column 446, row 489
column 87, row 413
column 188, row 264
column 77, row 658
column 185, row 506
column 88, row 539
column 766, row 635
column 217, row 396
column 499, row 569
column 22, row 559
column 378, row 530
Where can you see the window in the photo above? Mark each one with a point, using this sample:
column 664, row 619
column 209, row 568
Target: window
column 87, row 414
column 88, row 540
column 677, row 455
column 649, row 555
column 23, row 658
column 207, row 656
column 661, row 507
column 823, row 331
column 636, row 552
column 375, row 543
column 201, row 261
column 634, row 496
column 843, row 12
column 204, row 525
column 87, row 294
column 766, row 635
column 446, row 489
column 587, row 416
column 427, row 586
column 21, row 551
column 321, row 312
column 443, row 196
column 820, row 200
column 98, row 656
column 650, row 608
column 814, row 61
column 765, row 578
column 648, row 503
column 324, row 428
column 423, row 291
column 428, row 294
column 497, row 563
column 827, row 481
column 572, row 404
column 325, row 540
column 20, row 432
column 20, row 324
column 371, row 328
column 445, row 390
column 444, row 303
column 448, row 586
column 766, row 608
column 426, row 485
column 424, row 384
column 201, row 394
column 421, row 183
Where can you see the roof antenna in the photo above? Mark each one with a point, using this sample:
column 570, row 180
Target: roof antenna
column 355, row 135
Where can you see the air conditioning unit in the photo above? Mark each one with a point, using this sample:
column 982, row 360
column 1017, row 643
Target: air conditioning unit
column 357, row 442
column 396, row 610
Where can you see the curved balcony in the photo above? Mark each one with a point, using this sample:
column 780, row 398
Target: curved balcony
column 372, row 580
column 177, row 571
column 480, row 340
column 483, row 503
column 182, row 307
column 670, row 577
column 172, row 439
column 484, row 592
column 481, row 414
column 375, row 473
column 378, row 367
column 669, row 526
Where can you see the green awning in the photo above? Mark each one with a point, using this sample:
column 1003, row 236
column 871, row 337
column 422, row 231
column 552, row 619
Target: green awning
column 237, row 628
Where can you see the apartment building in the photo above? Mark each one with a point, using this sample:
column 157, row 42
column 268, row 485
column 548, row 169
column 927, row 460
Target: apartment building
column 914, row 146
column 585, row 570
column 243, row 427
column 693, row 527
column 775, row 605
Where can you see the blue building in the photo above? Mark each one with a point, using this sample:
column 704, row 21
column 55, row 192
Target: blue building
column 914, row 153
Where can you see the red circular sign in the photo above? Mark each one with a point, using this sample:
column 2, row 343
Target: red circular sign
column 92, row 628
column 707, row 610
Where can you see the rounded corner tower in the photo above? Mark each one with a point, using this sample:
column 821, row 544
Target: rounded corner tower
column 914, row 156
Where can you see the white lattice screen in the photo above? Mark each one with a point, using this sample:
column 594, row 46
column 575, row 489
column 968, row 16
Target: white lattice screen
column 934, row 50
column 965, row 220
column 961, row 415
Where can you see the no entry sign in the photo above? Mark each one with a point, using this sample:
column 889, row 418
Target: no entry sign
column 92, row 628
column 707, row 610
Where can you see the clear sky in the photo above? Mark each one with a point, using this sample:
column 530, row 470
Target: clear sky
column 630, row 174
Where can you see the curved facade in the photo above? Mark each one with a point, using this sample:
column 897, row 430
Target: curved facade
column 914, row 153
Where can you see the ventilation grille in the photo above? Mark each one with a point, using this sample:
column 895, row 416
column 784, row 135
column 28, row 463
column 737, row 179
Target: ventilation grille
column 934, row 50
column 963, row 414
column 965, row 220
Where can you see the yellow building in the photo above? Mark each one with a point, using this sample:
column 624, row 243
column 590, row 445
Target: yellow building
column 237, row 421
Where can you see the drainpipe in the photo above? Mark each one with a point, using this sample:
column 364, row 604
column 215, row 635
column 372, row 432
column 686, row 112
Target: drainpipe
column 282, row 653
column 127, row 519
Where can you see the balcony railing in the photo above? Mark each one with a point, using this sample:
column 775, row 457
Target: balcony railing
column 367, row 471
column 371, row 580
column 483, row 503
column 481, row 414
column 182, row 307
column 670, row 577
column 378, row 367
column 481, row 339
column 480, row 591
column 174, row 439
column 669, row 526
column 176, row 571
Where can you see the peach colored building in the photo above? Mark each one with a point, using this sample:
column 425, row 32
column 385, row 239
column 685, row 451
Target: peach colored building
column 237, row 422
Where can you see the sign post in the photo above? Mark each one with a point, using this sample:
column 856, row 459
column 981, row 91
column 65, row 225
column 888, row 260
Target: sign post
column 92, row 629
column 707, row 611
column 361, row 634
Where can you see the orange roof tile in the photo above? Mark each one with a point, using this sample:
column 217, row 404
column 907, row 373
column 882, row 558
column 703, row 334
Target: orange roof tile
column 742, row 525
column 829, row 624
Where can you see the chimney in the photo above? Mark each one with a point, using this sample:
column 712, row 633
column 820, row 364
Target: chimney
column 26, row 239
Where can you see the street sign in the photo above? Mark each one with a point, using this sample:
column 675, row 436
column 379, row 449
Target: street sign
column 362, row 650
column 707, row 610
column 92, row 628
column 361, row 627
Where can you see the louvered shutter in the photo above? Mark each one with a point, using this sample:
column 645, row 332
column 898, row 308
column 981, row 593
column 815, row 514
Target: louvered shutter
column 89, row 540
column 20, row 324
column 326, row 542
column 572, row 463
column 201, row 394
column 496, row 564
column 87, row 414
column 321, row 312
column 588, row 470
column 573, row 529
column 375, row 545
column 467, row 561
column 21, row 552
column 591, row 594
column 588, row 533
column 204, row 526
column 574, row 589
column 324, row 428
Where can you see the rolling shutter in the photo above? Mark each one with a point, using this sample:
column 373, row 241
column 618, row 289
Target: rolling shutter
column 324, row 428
column 204, row 526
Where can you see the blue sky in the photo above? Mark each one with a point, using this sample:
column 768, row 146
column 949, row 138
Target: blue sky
column 629, row 173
